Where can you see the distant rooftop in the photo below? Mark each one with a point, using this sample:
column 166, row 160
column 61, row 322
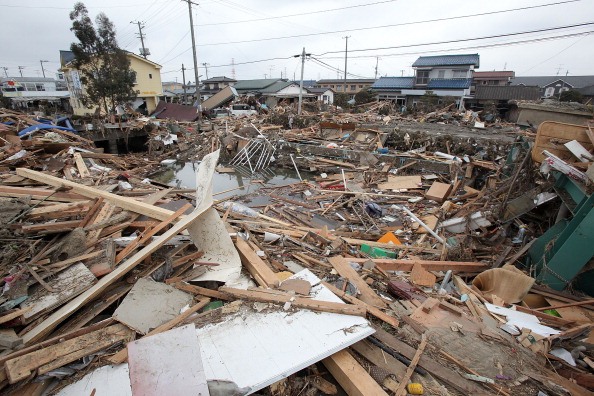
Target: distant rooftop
column 394, row 83
column 541, row 81
column 448, row 60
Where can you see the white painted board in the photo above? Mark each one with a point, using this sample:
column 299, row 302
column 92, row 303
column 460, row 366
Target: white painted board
column 167, row 364
column 255, row 349
column 106, row 381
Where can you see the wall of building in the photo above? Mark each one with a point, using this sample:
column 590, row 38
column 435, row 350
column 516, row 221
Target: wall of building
column 450, row 72
column 148, row 82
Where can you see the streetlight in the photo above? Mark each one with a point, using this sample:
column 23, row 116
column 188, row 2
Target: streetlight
column 42, row 69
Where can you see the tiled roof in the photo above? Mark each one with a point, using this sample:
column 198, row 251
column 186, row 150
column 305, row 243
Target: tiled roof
column 394, row 83
column 348, row 81
column 218, row 79
column 452, row 83
column 542, row 81
column 246, row 85
column 277, row 86
column 175, row 112
column 317, row 90
column 447, row 60
column 493, row 75
column 506, row 92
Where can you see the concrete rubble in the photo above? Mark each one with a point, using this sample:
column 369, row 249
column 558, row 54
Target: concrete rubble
column 419, row 254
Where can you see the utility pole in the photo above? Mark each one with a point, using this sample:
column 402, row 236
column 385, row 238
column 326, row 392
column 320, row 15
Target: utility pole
column 42, row 69
column 5, row 71
column 303, row 55
column 184, row 86
column 346, row 50
column 144, row 52
column 21, row 70
column 195, row 59
column 376, row 62
column 206, row 68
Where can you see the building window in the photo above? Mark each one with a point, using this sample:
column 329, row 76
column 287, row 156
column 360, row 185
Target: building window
column 441, row 74
column 353, row 87
column 422, row 77
column 150, row 76
column 550, row 91
column 40, row 87
column 360, row 86
column 460, row 73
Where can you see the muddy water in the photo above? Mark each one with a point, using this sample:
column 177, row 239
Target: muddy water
column 183, row 175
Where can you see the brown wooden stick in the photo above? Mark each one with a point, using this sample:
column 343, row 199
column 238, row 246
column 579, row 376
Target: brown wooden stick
column 574, row 304
column 411, row 368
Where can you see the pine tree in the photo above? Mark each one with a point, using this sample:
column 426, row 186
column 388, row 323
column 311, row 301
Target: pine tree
column 104, row 67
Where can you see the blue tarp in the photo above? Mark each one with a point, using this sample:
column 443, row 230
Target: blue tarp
column 34, row 128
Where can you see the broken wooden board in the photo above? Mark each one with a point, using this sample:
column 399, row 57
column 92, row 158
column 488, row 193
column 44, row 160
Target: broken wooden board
column 206, row 169
column 344, row 269
column 401, row 183
column 438, row 192
column 9, row 338
column 167, row 364
column 421, row 277
column 353, row 378
column 66, row 285
column 263, row 275
column 380, row 358
column 150, row 304
column 429, row 265
column 255, row 349
column 58, row 355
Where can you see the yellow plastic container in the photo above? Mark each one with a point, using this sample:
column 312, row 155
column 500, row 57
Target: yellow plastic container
column 415, row 389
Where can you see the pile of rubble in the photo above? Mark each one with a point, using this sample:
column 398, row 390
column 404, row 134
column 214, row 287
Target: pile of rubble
column 380, row 272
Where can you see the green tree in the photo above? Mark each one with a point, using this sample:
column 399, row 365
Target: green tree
column 104, row 67
column 341, row 100
column 364, row 96
column 570, row 96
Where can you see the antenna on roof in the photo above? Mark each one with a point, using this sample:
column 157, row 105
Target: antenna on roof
column 233, row 68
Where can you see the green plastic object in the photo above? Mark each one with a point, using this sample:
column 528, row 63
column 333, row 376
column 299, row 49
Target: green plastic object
column 376, row 252
column 213, row 305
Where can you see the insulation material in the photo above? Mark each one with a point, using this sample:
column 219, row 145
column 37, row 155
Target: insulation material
column 507, row 283
column 255, row 349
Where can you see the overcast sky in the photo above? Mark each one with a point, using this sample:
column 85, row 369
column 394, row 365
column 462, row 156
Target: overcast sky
column 389, row 33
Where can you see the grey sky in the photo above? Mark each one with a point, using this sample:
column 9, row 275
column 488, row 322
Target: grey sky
column 33, row 30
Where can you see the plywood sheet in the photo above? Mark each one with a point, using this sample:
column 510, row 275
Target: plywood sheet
column 255, row 349
column 167, row 364
column 438, row 191
column 401, row 182
column 150, row 304
column 552, row 136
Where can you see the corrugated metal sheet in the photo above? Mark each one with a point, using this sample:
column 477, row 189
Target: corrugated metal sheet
column 506, row 92
column 449, row 83
column 448, row 60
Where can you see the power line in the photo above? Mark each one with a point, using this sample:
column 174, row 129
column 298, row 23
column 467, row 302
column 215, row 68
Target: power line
column 299, row 14
column 387, row 26
column 69, row 8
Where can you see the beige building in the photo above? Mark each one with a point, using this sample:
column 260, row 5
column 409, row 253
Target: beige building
column 148, row 83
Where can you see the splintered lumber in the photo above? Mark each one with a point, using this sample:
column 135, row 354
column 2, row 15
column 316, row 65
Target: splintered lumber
column 82, row 167
column 43, row 328
column 370, row 309
column 411, row 368
column 574, row 304
column 351, row 376
column 379, row 358
column 60, row 354
column 122, row 355
column 40, row 193
column 428, row 265
column 368, row 296
column 203, row 291
column 299, row 302
column 15, row 314
column 91, row 192
column 255, row 265
column 437, row 370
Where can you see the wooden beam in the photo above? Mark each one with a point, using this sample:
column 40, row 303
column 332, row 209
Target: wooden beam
column 429, row 265
column 43, row 328
column 573, row 304
column 203, row 291
column 351, row 376
column 370, row 309
column 299, row 302
column 40, row 193
column 411, row 367
column 82, row 167
column 255, row 265
column 91, row 192
column 368, row 296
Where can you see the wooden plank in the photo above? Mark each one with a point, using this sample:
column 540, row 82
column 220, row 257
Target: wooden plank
column 91, row 192
column 379, row 358
column 401, row 182
column 58, row 355
column 50, row 228
column 104, row 214
column 57, row 317
column 255, row 265
column 299, row 302
column 203, row 291
column 573, row 304
column 351, row 376
column 400, row 391
column 346, row 271
column 429, row 265
column 40, row 193
column 420, row 276
column 370, row 309
column 82, row 167
column 13, row 315
column 437, row 370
